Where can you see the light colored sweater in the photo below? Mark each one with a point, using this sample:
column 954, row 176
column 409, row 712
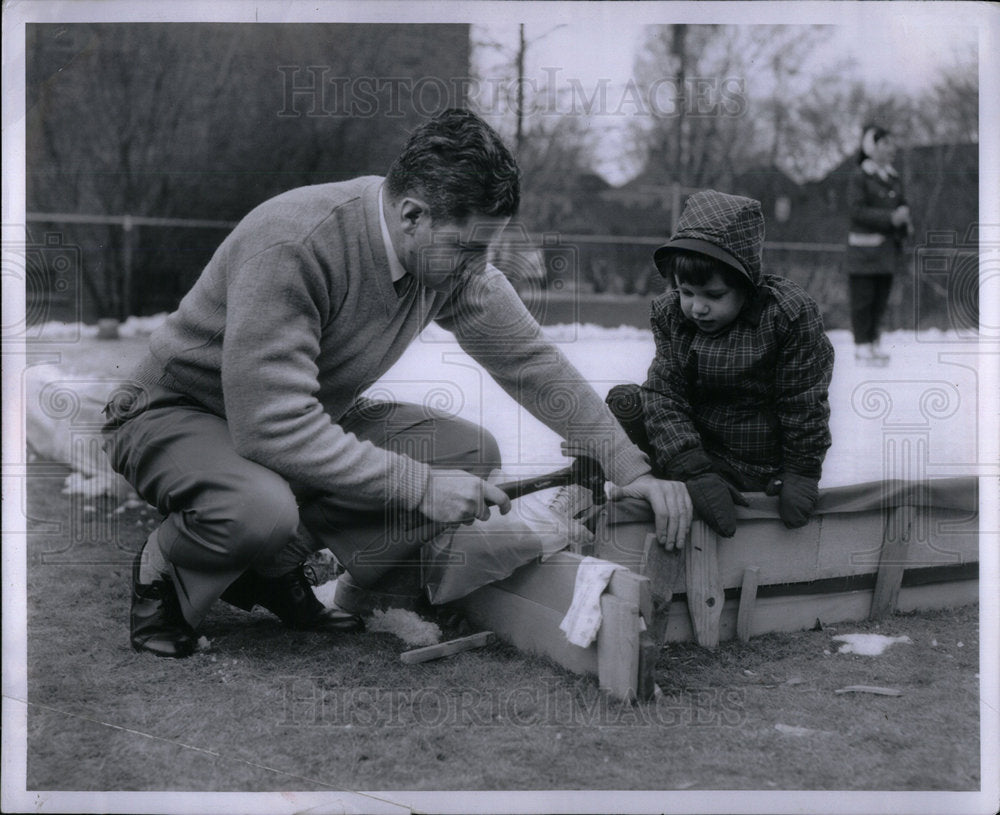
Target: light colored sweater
column 295, row 316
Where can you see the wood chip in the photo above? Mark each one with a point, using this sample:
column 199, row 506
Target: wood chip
column 445, row 649
column 870, row 689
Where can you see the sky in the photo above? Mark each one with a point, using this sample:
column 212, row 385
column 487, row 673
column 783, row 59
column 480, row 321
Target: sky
column 902, row 51
column 883, row 48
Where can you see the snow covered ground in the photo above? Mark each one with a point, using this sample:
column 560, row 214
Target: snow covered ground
column 923, row 416
column 919, row 417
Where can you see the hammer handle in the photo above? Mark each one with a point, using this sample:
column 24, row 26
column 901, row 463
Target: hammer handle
column 515, row 489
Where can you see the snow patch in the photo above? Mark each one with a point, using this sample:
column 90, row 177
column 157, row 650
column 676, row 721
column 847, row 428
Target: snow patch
column 405, row 624
column 326, row 592
column 795, row 730
column 141, row 326
column 867, row 645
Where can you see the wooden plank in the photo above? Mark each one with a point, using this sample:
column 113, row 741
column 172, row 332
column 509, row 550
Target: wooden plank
column 938, row 595
column 748, row 596
column 446, row 649
column 778, row 615
column 704, row 590
column 892, row 563
column 834, row 545
column 632, row 588
column 527, row 625
column 550, row 582
column 849, row 543
column 618, row 647
column 783, row 555
column 799, row 612
column 943, row 536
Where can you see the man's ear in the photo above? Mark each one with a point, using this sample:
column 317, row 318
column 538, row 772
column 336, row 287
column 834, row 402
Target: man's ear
column 411, row 211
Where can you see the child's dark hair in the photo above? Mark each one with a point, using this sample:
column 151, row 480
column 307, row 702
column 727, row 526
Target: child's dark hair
column 697, row 269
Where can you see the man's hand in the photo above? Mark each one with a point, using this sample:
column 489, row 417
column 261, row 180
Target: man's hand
column 671, row 505
column 455, row 496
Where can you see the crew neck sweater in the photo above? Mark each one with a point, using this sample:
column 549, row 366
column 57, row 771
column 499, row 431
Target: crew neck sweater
column 295, row 316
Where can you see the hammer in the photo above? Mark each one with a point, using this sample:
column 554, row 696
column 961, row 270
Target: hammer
column 370, row 565
column 584, row 471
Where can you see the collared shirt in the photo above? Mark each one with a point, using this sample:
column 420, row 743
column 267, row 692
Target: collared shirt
column 395, row 267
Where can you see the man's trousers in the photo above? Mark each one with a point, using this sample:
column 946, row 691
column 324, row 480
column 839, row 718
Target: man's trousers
column 225, row 514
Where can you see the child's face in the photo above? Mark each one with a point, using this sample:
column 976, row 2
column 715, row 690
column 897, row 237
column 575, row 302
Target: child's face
column 711, row 307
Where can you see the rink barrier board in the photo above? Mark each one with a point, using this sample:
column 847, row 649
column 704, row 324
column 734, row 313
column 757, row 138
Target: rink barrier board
column 841, row 567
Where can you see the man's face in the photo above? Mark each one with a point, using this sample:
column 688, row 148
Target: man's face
column 439, row 255
column 711, row 307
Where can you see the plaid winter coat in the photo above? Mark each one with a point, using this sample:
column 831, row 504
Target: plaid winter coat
column 756, row 395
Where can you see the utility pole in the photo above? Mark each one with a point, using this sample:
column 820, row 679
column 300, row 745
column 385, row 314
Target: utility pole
column 678, row 50
column 519, row 109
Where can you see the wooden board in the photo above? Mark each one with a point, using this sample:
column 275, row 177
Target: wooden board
column 829, row 546
column 526, row 609
column 527, row 625
column 446, row 649
column 799, row 612
column 844, row 550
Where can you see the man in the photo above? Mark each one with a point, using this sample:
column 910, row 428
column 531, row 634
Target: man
column 245, row 425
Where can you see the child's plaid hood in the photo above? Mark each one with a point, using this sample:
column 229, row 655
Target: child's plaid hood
column 727, row 227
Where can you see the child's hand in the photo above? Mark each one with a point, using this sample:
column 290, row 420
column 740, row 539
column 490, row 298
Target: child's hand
column 797, row 496
column 714, row 501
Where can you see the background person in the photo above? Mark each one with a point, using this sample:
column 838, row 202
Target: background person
column 879, row 222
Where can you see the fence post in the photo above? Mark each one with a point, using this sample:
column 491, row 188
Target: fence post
column 675, row 206
column 127, row 238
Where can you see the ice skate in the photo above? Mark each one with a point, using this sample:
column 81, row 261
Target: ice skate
column 865, row 354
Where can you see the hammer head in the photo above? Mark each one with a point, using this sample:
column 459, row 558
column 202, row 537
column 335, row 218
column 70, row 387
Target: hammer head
column 588, row 473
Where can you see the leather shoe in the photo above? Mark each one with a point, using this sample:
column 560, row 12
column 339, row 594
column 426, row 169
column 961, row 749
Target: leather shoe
column 156, row 623
column 290, row 598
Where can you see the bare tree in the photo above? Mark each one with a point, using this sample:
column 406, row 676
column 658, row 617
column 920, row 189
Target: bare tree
column 206, row 120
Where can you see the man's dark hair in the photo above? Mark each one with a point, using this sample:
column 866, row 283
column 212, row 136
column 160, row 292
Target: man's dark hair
column 697, row 269
column 460, row 166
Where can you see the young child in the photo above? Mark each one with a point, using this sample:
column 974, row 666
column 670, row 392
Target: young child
column 736, row 396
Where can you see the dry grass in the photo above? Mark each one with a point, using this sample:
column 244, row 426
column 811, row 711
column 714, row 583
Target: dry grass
column 269, row 709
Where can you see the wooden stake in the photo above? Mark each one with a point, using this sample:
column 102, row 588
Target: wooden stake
column 662, row 568
column 618, row 647
column 649, row 653
column 704, row 589
column 895, row 553
column 748, row 597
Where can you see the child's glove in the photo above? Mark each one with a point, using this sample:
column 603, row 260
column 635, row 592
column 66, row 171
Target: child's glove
column 712, row 497
column 797, row 496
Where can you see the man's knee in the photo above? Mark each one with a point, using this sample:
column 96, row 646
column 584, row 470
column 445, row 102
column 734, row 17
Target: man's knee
column 267, row 519
column 468, row 446
column 251, row 520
